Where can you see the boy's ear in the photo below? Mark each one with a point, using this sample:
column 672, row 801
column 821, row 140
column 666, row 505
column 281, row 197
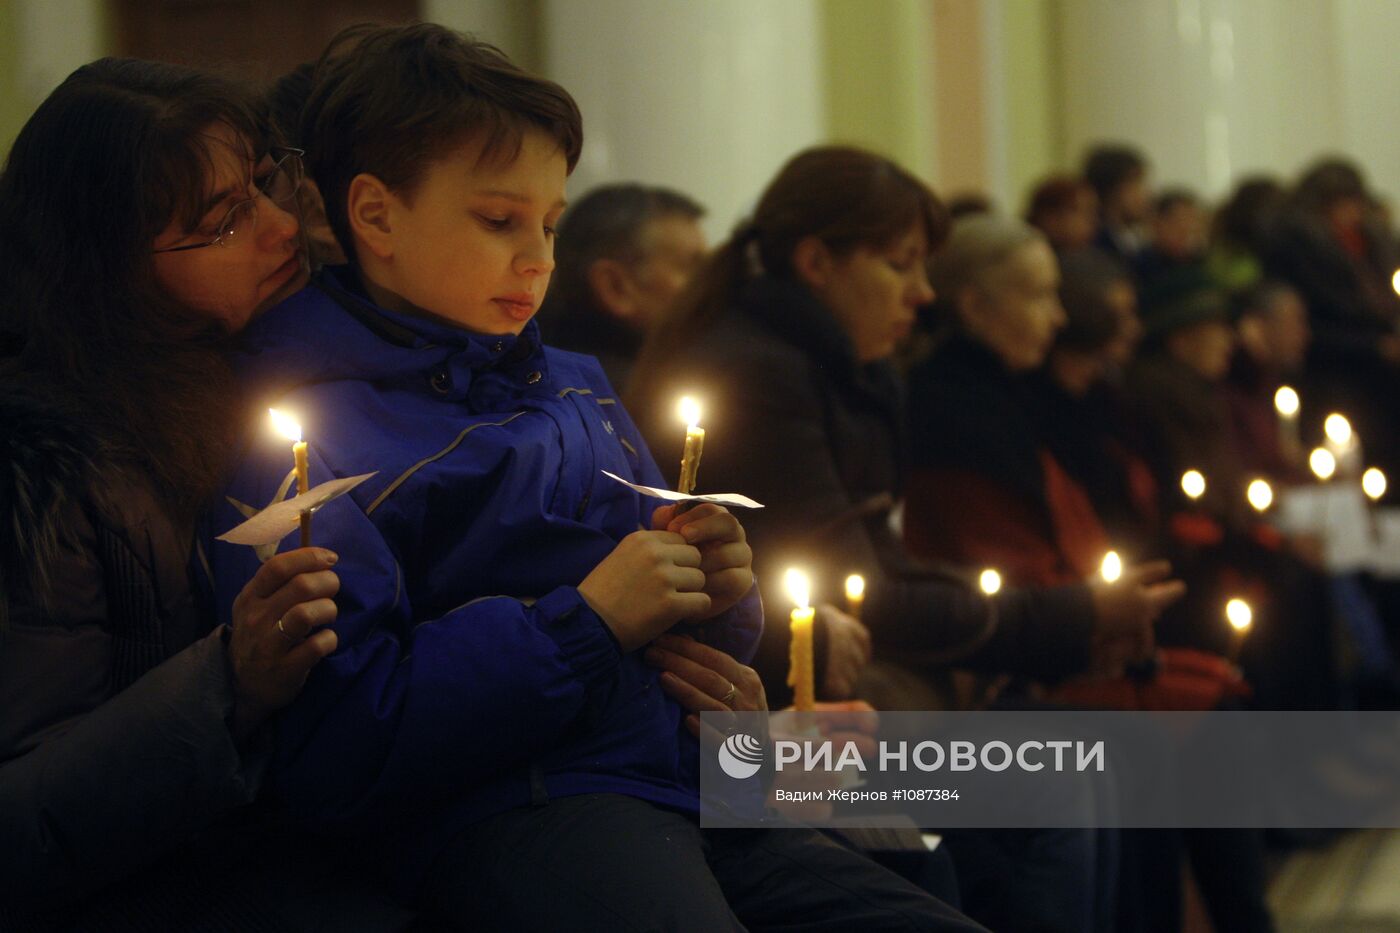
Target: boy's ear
column 612, row 287
column 368, row 205
column 812, row 262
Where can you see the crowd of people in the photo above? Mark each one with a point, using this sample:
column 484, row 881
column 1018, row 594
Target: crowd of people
column 473, row 703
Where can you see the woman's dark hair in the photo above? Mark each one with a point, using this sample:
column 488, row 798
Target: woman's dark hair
column 390, row 100
column 115, row 154
column 1246, row 219
column 845, row 197
column 1328, row 181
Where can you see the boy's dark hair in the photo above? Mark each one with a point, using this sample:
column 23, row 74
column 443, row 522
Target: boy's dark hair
column 607, row 223
column 1108, row 167
column 390, row 100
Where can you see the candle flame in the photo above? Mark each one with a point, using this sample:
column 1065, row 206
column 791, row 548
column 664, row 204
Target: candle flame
column 855, row 587
column 1322, row 462
column 285, row 425
column 689, row 410
column 799, row 587
column 1373, row 483
column 1193, row 483
column 1239, row 615
column 1260, row 495
column 1338, row 429
column 1112, row 567
column 1395, row 281
column 990, row 581
column 1286, row 401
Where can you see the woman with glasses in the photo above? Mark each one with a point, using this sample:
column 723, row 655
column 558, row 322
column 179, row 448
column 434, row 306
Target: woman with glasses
column 143, row 221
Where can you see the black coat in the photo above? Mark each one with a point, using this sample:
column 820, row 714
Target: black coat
column 123, row 796
column 793, row 421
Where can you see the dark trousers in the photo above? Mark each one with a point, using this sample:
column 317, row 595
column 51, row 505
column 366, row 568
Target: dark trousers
column 608, row 862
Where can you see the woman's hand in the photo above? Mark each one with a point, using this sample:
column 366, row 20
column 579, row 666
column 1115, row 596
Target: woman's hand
column 726, row 557
column 649, row 582
column 279, row 632
column 1124, row 611
column 704, row 679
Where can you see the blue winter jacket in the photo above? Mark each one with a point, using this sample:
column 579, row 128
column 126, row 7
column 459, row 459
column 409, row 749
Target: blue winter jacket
column 471, row 677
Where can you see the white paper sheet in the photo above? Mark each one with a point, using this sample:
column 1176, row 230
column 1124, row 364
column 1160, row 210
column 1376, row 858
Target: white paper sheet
column 670, row 495
column 278, row 520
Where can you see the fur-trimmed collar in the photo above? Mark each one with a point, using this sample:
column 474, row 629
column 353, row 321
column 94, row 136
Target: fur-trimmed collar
column 48, row 460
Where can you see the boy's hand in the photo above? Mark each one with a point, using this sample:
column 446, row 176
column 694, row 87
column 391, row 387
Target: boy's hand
column 649, row 582
column 726, row 557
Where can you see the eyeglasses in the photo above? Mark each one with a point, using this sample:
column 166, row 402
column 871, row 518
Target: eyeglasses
column 280, row 187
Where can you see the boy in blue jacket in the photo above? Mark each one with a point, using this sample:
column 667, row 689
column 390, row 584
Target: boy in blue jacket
column 487, row 717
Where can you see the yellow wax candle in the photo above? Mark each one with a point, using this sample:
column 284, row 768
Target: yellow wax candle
column 802, row 663
column 290, row 428
column 855, row 594
column 694, row 445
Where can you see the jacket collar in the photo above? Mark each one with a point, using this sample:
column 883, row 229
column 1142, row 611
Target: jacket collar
column 792, row 312
column 308, row 339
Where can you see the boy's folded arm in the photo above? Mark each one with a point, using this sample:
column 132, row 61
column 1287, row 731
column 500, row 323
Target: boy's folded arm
column 735, row 631
column 406, row 706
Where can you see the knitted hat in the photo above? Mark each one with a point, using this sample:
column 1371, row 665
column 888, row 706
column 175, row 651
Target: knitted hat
column 1180, row 298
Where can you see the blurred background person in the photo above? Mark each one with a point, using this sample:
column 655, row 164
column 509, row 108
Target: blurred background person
column 1177, row 235
column 1118, row 175
column 1066, row 209
column 623, row 255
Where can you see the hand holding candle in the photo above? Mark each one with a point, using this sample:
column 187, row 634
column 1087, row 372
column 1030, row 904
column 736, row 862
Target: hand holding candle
column 290, row 428
column 802, row 663
column 694, row 445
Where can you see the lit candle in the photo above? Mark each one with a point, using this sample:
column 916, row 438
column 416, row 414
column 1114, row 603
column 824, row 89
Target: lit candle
column 1193, row 483
column 290, row 428
column 1240, row 617
column 1112, row 567
column 1260, row 495
column 990, row 581
column 802, row 665
column 1287, row 404
column 1373, row 484
column 694, row 444
column 1323, row 463
column 1338, row 429
column 855, row 594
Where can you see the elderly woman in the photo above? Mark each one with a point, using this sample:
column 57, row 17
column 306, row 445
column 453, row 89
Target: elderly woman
column 142, row 220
